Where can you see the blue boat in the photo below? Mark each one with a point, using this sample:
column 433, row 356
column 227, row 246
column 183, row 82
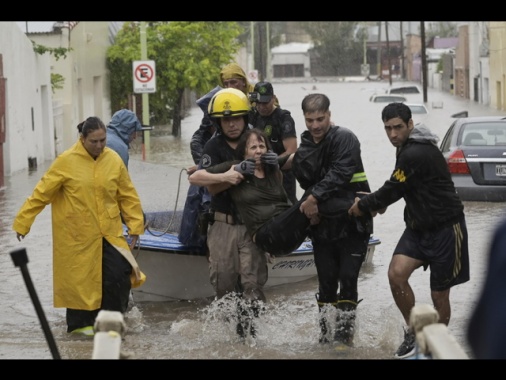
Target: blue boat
column 175, row 272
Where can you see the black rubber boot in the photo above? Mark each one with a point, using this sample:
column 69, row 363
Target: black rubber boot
column 246, row 314
column 345, row 322
column 324, row 322
column 242, row 319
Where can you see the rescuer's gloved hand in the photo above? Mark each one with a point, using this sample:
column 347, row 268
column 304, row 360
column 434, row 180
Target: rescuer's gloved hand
column 269, row 158
column 246, row 167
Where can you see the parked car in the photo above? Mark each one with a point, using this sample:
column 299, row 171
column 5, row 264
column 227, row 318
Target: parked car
column 475, row 150
column 385, row 98
column 409, row 89
column 417, row 109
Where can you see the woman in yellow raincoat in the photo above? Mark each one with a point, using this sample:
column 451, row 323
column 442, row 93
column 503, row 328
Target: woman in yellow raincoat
column 88, row 187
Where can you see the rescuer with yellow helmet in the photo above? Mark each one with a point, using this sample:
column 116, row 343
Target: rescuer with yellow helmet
column 226, row 108
column 237, row 266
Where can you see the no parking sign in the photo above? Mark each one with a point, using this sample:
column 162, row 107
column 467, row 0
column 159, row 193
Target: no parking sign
column 144, row 77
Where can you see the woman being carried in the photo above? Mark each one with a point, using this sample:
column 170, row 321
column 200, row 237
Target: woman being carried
column 276, row 225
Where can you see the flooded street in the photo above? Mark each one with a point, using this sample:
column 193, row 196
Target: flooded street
column 289, row 329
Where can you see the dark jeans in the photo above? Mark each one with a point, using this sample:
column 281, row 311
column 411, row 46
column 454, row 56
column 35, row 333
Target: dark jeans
column 116, row 287
column 290, row 185
column 285, row 232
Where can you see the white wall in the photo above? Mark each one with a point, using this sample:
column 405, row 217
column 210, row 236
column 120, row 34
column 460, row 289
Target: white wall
column 86, row 88
column 28, row 92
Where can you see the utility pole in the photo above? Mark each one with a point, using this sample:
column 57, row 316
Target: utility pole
column 252, row 42
column 261, row 61
column 145, row 98
column 365, row 49
column 378, row 53
column 268, row 43
column 388, row 54
column 424, row 62
column 403, row 69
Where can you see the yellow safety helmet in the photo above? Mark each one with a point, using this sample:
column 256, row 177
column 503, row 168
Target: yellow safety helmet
column 228, row 102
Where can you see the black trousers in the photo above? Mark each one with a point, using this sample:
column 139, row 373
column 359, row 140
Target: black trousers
column 338, row 264
column 116, row 287
column 285, row 232
column 290, row 185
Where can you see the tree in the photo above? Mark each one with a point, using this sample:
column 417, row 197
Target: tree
column 441, row 29
column 338, row 50
column 188, row 55
column 126, row 48
column 260, row 35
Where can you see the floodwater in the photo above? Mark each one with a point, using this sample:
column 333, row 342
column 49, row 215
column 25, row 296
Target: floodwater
column 289, row 328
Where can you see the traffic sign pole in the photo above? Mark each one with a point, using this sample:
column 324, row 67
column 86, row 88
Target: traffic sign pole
column 145, row 99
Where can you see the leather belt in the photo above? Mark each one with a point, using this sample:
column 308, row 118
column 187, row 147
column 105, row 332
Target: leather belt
column 224, row 218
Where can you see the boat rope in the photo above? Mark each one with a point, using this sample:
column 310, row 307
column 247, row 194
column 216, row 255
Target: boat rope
column 137, row 247
column 166, row 230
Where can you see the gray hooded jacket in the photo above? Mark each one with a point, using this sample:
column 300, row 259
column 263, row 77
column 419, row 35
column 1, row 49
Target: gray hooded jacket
column 123, row 123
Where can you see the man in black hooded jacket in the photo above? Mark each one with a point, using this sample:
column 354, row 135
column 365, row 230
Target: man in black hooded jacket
column 435, row 233
column 328, row 165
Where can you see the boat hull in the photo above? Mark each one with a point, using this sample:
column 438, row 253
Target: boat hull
column 175, row 273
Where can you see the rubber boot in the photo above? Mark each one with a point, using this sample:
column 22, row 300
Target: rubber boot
column 323, row 319
column 242, row 317
column 246, row 313
column 256, row 309
column 345, row 322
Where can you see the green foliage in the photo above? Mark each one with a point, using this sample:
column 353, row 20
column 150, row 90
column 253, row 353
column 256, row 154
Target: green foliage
column 439, row 68
column 119, row 63
column 336, row 46
column 57, row 52
column 188, row 55
column 441, row 29
column 57, row 81
column 260, row 30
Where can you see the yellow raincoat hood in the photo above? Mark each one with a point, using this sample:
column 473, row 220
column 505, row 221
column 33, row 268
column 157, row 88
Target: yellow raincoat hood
column 233, row 70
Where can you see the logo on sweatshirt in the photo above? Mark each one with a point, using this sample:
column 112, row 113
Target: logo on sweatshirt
column 399, row 175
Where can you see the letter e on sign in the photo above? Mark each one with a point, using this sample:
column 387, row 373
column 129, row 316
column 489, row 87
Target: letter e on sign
column 144, row 76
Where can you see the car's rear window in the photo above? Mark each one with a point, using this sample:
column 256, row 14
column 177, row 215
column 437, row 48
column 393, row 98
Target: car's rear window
column 482, row 134
column 415, row 109
column 387, row 99
column 404, row 90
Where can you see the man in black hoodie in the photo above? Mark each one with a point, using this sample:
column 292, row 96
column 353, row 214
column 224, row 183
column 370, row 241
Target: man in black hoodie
column 435, row 233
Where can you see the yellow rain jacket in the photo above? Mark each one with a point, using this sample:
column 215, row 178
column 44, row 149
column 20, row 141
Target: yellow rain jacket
column 87, row 197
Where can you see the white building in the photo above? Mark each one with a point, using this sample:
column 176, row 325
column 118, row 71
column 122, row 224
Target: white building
column 291, row 60
column 26, row 119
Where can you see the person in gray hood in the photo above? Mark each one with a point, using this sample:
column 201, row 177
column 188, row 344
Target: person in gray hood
column 435, row 233
column 121, row 131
